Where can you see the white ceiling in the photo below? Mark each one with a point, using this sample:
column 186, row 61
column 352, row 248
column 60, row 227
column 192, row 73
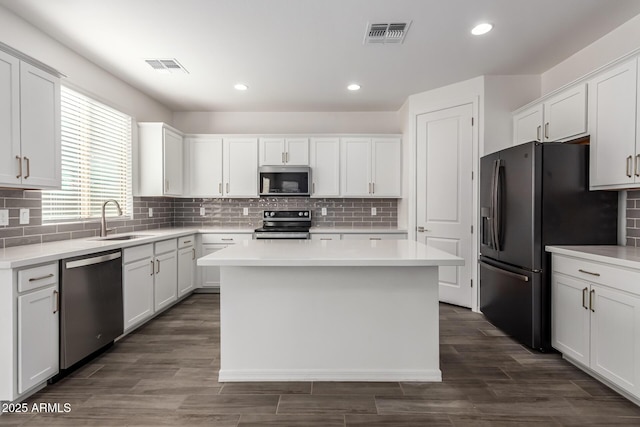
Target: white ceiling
column 299, row 55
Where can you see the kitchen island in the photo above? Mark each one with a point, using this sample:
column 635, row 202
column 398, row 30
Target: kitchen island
column 303, row 310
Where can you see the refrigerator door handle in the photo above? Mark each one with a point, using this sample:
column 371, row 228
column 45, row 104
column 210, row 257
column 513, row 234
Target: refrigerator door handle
column 492, row 208
column 497, row 215
column 505, row 272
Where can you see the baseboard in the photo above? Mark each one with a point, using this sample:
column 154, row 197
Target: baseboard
column 245, row 375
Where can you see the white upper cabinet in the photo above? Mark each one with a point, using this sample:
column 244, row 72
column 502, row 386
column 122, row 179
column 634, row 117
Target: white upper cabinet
column 205, row 166
column 160, row 160
column 325, row 167
column 371, row 167
column 239, row 167
column 284, row 151
column 559, row 118
column 614, row 158
column 29, row 125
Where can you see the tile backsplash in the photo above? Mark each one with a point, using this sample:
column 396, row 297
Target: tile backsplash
column 633, row 218
column 169, row 212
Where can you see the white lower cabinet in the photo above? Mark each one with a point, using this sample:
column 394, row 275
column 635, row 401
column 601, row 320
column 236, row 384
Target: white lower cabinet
column 325, row 237
column 596, row 319
column 186, row 265
column 211, row 243
column 137, row 279
column 38, row 319
column 166, row 273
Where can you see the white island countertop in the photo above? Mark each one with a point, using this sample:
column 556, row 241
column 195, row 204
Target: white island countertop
column 302, row 253
column 622, row 256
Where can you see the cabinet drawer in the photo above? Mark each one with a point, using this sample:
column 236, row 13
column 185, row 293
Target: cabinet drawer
column 137, row 253
column 186, row 241
column 380, row 236
column 166, row 246
column 227, row 239
column 37, row 277
column 595, row 272
column 325, row 237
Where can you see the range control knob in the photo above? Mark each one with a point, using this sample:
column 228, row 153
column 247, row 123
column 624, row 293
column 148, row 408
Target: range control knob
column 300, row 214
column 272, row 214
column 306, row 214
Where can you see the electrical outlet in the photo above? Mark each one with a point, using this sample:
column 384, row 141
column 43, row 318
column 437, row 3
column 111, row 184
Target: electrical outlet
column 245, row 211
column 24, row 216
column 201, row 211
column 324, row 211
column 150, row 212
column 4, row 217
column 374, row 211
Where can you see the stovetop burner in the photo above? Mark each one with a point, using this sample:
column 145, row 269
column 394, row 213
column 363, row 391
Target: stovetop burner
column 284, row 224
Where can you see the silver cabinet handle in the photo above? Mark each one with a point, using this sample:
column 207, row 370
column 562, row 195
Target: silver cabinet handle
column 193, row 250
column 286, row 157
column 313, row 188
column 151, row 268
column 373, row 188
column 538, row 132
column 227, row 188
column 35, row 279
column 326, row 238
column 588, row 272
column 546, row 130
column 369, row 188
column 375, row 238
column 591, row 302
column 282, row 157
column 227, row 240
column 220, row 188
column 28, row 167
column 629, row 166
column 186, row 241
column 56, row 296
column 166, row 185
column 584, row 297
column 19, row 166
column 637, row 164
column 158, row 266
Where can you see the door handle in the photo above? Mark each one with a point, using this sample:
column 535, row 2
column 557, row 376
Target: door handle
column 420, row 229
column 546, row 130
column 194, row 254
column 151, row 268
column 56, row 297
column 591, row 302
column 584, row 298
column 505, row 272
column 629, row 166
column 19, row 166
column 28, row 167
column 157, row 266
column 538, row 136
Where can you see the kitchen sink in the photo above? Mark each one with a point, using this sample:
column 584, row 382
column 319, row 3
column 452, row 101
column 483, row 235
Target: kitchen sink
column 126, row 237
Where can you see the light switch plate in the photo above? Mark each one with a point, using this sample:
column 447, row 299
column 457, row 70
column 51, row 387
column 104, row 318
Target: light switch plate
column 24, row 216
column 374, row 211
column 4, row 217
column 201, row 211
column 245, row 211
column 324, row 211
column 150, row 212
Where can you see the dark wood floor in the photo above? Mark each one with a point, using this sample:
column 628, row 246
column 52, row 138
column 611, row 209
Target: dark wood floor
column 166, row 374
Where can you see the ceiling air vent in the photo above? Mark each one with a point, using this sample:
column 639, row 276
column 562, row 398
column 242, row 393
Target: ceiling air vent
column 386, row 33
column 166, row 66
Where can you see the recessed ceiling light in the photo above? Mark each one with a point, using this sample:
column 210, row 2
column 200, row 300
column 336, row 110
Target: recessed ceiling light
column 240, row 86
column 353, row 86
column 481, row 29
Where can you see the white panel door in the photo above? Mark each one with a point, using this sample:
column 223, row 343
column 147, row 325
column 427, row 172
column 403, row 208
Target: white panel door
column 565, row 115
column 38, row 318
column 612, row 125
column 240, row 167
column 615, row 337
column 205, row 170
column 186, row 269
column 297, row 152
column 137, row 287
column 325, row 167
column 386, row 175
column 172, row 163
column 166, row 282
column 9, row 119
column 40, row 127
column 444, row 194
column 356, row 167
column 272, row 151
column 527, row 125
column 570, row 317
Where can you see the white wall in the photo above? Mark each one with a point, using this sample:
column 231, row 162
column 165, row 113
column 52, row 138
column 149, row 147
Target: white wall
column 617, row 43
column 81, row 73
column 287, row 122
column 503, row 94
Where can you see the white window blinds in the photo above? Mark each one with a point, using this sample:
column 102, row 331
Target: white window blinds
column 96, row 161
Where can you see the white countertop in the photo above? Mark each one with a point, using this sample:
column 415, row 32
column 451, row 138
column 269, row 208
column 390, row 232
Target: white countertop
column 303, row 253
column 624, row 256
column 351, row 230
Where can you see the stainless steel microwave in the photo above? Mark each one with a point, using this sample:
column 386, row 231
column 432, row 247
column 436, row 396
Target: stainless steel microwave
column 284, row 180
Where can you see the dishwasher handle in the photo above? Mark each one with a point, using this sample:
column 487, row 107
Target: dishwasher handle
column 93, row 260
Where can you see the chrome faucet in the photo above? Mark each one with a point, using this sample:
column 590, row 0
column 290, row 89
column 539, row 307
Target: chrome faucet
column 103, row 225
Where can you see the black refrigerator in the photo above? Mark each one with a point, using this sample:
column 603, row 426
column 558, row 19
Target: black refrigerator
column 533, row 195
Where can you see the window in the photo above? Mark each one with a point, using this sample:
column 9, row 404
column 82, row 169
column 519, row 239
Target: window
column 96, row 161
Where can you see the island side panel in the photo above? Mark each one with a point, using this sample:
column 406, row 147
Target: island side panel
column 329, row 323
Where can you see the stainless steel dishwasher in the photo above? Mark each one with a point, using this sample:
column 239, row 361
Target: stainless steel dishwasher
column 91, row 304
